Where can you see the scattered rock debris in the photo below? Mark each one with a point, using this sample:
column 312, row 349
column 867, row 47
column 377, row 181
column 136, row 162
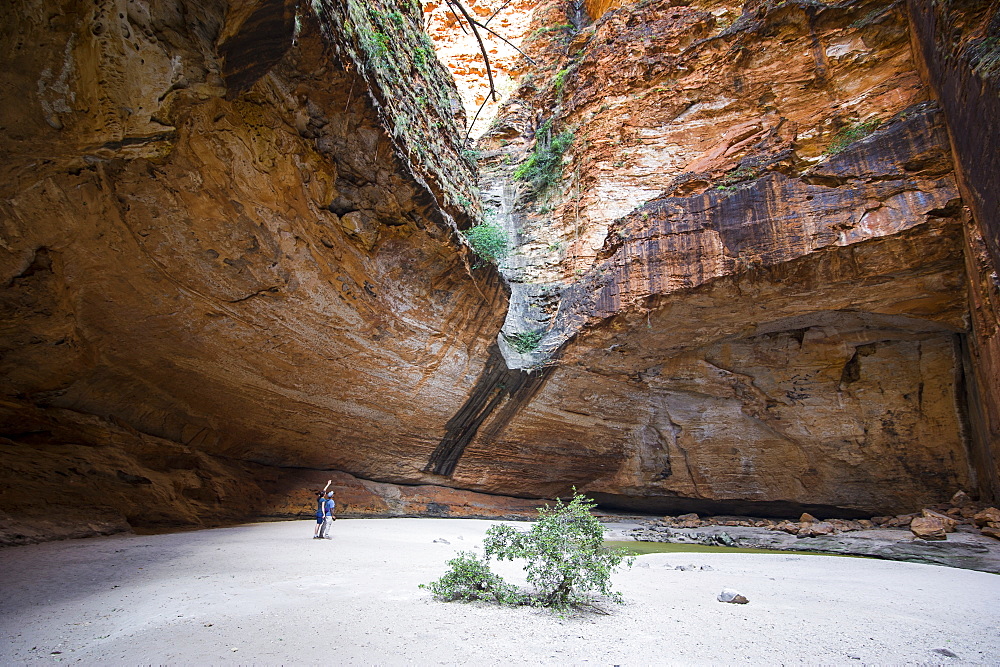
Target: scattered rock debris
column 931, row 523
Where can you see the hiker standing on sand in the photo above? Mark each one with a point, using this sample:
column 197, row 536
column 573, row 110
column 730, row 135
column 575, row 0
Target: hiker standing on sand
column 321, row 510
column 328, row 517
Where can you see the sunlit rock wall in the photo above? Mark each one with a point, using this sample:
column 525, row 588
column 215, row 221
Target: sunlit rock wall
column 503, row 28
column 231, row 266
column 749, row 273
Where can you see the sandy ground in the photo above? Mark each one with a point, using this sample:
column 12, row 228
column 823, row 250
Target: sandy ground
column 269, row 594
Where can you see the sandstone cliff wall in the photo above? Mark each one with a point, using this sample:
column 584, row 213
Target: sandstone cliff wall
column 224, row 229
column 958, row 49
column 752, row 255
column 230, row 259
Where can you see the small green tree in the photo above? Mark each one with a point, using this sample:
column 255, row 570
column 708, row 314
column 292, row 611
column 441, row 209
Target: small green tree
column 565, row 560
column 488, row 240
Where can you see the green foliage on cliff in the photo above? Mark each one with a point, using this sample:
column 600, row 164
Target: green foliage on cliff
column 422, row 55
column 544, row 166
column 376, row 44
column 396, row 19
column 488, row 240
column 561, row 27
column 559, row 80
column 741, row 174
column 565, row 561
column 525, row 341
column 852, row 133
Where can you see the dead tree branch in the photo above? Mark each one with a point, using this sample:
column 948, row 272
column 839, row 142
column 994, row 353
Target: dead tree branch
column 456, row 8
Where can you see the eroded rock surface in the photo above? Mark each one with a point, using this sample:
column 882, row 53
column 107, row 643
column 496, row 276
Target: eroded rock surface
column 730, row 275
column 230, row 263
column 959, row 55
column 262, row 270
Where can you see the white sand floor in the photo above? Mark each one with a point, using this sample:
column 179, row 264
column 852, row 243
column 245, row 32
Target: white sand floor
column 269, row 594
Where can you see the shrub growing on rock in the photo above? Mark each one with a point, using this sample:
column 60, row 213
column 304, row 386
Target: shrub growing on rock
column 525, row 341
column 488, row 240
column 544, row 166
column 848, row 135
column 565, row 560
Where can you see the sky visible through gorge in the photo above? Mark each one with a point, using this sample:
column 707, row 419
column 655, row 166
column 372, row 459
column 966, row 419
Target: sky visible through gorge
column 460, row 52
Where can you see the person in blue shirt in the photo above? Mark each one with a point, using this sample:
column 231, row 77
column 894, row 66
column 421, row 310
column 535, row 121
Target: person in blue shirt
column 328, row 516
column 321, row 510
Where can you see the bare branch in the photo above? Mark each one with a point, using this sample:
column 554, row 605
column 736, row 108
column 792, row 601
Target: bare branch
column 482, row 47
column 506, row 41
column 456, row 7
column 458, row 20
column 494, row 14
column 468, row 132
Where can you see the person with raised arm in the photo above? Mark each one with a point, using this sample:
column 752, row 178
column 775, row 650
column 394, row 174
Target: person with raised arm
column 321, row 510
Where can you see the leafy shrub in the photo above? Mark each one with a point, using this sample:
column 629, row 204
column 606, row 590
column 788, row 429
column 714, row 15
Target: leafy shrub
column 423, row 55
column 526, row 341
column 852, row 133
column 471, row 579
column 544, row 165
column 566, row 561
column 553, row 28
column 397, row 19
column 488, row 240
column 738, row 175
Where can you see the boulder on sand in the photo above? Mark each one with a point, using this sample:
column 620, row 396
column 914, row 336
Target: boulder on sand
column 732, row 597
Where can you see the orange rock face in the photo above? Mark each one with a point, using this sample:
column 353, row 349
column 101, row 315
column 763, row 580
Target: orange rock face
column 230, row 259
column 67, row 474
column 755, row 232
column 958, row 54
column 929, row 528
column 219, row 267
